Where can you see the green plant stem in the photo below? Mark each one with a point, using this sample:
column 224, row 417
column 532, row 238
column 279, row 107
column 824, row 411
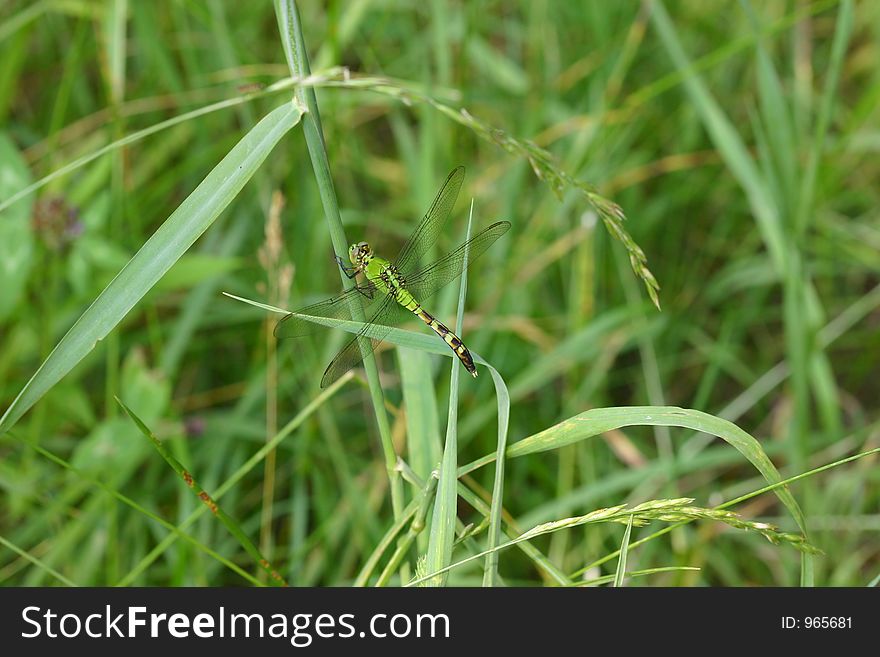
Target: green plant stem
column 297, row 59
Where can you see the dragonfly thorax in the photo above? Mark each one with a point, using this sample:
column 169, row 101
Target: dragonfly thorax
column 360, row 253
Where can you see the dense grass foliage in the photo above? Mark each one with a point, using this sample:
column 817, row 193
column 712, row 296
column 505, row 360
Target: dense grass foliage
column 155, row 433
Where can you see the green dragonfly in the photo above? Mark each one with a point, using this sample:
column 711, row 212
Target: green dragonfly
column 393, row 290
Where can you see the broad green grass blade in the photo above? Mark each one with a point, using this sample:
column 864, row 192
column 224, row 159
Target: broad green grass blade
column 422, row 418
column 596, row 421
column 396, row 336
column 157, row 255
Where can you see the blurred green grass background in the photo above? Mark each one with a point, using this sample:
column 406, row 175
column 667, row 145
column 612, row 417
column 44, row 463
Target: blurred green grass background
column 740, row 139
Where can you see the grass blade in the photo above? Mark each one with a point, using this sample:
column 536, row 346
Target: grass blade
column 490, row 573
column 445, row 514
column 165, row 247
column 304, row 414
column 607, row 579
column 842, row 34
column 24, row 554
column 599, row 420
column 93, row 481
column 422, row 421
column 205, row 497
column 624, row 551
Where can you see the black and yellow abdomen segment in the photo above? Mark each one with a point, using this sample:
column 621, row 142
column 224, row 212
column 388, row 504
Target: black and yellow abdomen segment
column 387, row 279
column 449, row 338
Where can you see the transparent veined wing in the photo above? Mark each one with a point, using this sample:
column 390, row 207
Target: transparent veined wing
column 433, row 277
column 387, row 315
column 432, row 225
column 295, row 325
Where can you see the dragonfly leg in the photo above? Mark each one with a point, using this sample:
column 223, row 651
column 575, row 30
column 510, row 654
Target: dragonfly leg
column 351, row 272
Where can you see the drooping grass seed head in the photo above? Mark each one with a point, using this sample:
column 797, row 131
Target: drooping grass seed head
column 359, row 253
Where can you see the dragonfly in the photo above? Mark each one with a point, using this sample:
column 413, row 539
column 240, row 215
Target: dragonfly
column 393, row 290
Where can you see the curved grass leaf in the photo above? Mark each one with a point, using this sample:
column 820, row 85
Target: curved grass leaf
column 396, row 336
column 599, row 420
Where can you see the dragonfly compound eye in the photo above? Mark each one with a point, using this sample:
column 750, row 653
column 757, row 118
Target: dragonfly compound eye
column 359, row 252
column 354, row 253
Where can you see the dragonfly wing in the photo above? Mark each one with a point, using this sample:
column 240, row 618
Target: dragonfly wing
column 351, row 355
column 426, row 282
column 388, row 314
column 295, row 325
column 432, row 225
column 421, row 286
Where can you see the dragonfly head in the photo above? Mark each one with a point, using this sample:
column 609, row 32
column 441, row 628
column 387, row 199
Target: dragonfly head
column 359, row 253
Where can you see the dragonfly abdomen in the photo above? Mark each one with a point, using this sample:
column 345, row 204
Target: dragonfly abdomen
column 397, row 286
column 444, row 332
